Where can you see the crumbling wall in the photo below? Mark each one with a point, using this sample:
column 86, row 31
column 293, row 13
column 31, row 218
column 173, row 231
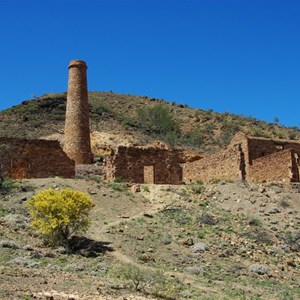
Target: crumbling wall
column 246, row 158
column 262, row 147
column 133, row 164
column 276, row 167
column 37, row 159
column 227, row 165
column 241, row 141
column 253, row 159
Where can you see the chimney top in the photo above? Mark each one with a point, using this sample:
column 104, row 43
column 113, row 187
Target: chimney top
column 77, row 62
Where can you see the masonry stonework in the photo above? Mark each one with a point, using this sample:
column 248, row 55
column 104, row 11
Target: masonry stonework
column 276, row 167
column 36, row 159
column 248, row 158
column 144, row 165
column 221, row 166
column 77, row 131
column 259, row 147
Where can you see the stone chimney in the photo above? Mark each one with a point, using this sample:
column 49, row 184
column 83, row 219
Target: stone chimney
column 77, row 143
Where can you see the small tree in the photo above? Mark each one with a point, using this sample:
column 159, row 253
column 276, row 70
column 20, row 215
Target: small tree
column 57, row 215
column 194, row 138
column 157, row 120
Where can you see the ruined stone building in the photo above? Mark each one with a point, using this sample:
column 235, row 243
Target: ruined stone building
column 35, row 159
column 248, row 158
column 152, row 164
column 42, row 158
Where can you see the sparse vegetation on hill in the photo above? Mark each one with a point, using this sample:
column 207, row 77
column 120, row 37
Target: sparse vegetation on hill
column 224, row 240
column 199, row 242
column 145, row 118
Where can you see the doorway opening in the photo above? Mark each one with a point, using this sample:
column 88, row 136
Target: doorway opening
column 149, row 175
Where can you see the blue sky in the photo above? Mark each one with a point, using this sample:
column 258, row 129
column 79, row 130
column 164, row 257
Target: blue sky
column 236, row 56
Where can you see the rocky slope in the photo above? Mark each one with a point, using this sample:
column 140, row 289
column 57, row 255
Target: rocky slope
column 227, row 240
column 221, row 241
column 125, row 114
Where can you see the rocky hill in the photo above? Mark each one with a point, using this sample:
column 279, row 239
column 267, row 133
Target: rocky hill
column 220, row 241
column 144, row 119
column 224, row 240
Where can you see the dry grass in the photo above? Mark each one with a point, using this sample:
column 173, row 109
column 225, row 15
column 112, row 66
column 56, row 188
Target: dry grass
column 117, row 113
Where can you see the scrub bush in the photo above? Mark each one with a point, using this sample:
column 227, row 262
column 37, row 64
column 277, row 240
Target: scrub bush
column 157, row 120
column 57, row 215
column 147, row 281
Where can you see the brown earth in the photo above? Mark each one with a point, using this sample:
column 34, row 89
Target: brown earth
column 247, row 238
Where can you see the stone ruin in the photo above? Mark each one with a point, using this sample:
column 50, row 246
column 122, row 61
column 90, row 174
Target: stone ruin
column 42, row 158
column 36, row 159
column 246, row 158
column 154, row 164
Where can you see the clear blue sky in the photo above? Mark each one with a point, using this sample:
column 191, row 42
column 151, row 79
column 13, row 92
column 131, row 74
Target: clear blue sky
column 239, row 56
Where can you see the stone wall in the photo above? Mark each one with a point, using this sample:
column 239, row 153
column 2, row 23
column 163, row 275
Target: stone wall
column 36, row 159
column 262, row 147
column 140, row 165
column 253, row 159
column 246, row 158
column 226, row 165
column 277, row 167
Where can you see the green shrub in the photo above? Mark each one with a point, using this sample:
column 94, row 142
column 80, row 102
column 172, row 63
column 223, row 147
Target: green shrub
column 120, row 187
column 285, row 204
column 197, row 188
column 259, row 132
column 57, row 215
column 146, row 189
column 229, row 128
column 208, row 129
column 6, row 185
column 201, row 235
column 157, row 119
column 151, row 282
column 119, row 179
column 194, row 138
column 139, row 278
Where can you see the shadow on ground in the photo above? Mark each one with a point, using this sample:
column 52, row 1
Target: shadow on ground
column 89, row 247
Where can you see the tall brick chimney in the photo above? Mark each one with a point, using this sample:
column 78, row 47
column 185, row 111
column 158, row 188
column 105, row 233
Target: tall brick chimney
column 77, row 143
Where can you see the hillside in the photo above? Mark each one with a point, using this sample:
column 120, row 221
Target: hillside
column 223, row 241
column 132, row 115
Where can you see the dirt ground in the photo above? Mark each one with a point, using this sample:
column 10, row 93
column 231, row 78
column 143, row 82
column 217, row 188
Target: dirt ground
column 220, row 241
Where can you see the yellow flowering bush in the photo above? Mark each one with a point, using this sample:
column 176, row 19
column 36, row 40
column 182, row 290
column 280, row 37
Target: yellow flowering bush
column 57, row 215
